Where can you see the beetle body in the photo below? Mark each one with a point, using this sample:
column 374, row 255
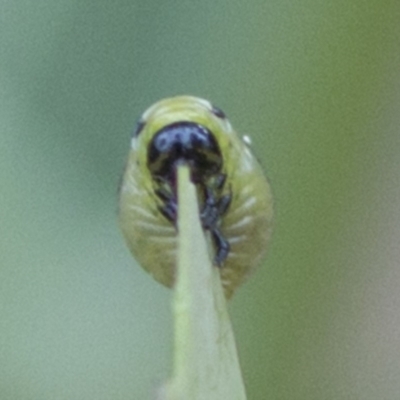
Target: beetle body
column 234, row 195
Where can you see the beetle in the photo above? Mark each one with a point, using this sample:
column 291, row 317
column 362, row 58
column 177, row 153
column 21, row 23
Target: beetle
column 234, row 195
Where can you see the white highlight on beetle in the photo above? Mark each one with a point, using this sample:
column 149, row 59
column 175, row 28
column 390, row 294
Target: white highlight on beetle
column 156, row 228
column 247, row 140
column 141, row 211
column 245, row 206
column 237, row 239
column 134, row 143
column 240, row 224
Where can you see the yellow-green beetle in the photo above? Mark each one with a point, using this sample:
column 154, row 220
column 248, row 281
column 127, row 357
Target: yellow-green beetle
column 234, row 194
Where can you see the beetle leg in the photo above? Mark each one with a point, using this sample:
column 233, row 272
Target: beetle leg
column 222, row 246
column 220, row 181
column 169, row 206
column 164, row 194
column 213, row 209
column 224, row 203
column 209, row 214
column 169, row 211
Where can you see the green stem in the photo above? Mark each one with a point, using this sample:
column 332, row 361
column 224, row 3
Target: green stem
column 206, row 365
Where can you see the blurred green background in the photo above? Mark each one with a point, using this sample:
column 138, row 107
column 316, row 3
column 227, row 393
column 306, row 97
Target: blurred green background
column 317, row 86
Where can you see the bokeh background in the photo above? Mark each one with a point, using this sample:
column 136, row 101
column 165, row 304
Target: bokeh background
column 317, row 86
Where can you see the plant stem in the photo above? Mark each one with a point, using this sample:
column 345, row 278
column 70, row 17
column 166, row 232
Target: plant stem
column 206, row 365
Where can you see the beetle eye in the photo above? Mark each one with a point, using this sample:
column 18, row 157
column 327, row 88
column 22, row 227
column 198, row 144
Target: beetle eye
column 218, row 112
column 138, row 128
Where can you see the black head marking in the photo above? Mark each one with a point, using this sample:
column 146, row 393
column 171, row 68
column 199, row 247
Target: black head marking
column 218, row 112
column 138, row 128
column 186, row 142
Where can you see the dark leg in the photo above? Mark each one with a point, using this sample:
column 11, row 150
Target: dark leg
column 213, row 209
column 224, row 203
column 209, row 214
column 169, row 212
column 220, row 181
column 169, row 207
column 222, row 247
